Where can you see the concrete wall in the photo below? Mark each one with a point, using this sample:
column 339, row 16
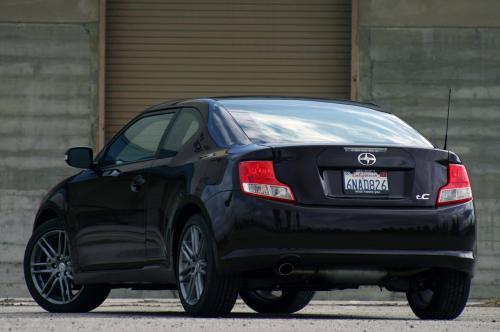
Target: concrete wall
column 410, row 52
column 48, row 102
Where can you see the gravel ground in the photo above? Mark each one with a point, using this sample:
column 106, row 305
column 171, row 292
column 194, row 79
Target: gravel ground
column 167, row 315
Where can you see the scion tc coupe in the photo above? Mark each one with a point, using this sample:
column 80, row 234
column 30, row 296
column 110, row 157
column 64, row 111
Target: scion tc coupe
column 266, row 197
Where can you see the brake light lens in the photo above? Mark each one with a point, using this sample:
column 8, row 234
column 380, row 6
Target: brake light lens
column 257, row 178
column 458, row 189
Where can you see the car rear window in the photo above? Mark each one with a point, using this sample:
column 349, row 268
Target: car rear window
column 302, row 121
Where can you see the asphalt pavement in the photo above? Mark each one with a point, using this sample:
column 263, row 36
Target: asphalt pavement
column 167, row 315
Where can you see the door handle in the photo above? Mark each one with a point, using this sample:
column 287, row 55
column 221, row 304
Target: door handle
column 112, row 173
column 137, row 182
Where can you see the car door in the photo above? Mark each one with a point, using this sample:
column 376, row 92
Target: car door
column 108, row 204
column 171, row 176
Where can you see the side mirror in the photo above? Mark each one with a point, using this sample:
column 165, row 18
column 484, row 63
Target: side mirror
column 80, row 157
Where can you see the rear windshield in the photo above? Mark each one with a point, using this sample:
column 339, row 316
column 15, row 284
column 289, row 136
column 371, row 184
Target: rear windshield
column 303, row 121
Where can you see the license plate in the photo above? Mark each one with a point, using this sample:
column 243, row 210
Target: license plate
column 369, row 182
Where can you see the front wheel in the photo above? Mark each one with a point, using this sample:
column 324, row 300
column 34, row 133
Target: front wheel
column 276, row 302
column 202, row 291
column 444, row 297
column 49, row 275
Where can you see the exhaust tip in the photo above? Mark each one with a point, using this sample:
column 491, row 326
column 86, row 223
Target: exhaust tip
column 285, row 269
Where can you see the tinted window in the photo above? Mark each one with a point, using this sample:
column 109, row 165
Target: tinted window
column 184, row 128
column 302, row 121
column 140, row 141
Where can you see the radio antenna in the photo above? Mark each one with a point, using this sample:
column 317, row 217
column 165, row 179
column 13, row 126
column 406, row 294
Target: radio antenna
column 447, row 121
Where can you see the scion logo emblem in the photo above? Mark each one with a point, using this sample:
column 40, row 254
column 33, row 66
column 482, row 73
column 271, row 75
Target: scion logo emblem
column 366, row 159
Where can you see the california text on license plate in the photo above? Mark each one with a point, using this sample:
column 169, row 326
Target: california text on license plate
column 366, row 182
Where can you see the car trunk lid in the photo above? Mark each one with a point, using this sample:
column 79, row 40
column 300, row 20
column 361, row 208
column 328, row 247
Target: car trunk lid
column 348, row 175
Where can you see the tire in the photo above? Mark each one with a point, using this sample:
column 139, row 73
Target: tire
column 265, row 302
column 445, row 299
column 202, row 290
column 48, row 274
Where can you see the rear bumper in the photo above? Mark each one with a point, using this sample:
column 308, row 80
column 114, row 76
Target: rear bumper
column 255, row 234
column 390, row 260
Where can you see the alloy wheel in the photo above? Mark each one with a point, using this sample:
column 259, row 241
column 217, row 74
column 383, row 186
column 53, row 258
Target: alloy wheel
column 51, row 269
column 192, row 265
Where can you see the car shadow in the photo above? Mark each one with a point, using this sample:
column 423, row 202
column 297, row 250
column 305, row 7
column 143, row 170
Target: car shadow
column 244, row 315
column 176, row 314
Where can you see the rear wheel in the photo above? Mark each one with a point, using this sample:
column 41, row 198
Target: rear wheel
column 444, row 298
column 202, row 291
column 276, row 302
column 49, row 275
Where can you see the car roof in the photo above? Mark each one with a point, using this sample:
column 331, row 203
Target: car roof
column 174, row 102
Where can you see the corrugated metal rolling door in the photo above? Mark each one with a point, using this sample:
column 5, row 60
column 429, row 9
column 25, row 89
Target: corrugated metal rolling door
column 160, row 49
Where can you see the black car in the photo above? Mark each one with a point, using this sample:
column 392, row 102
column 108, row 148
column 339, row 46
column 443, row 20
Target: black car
column 266, row 197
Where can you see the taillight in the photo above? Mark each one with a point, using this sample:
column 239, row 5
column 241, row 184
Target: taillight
column 258, row 178
column 458, row 189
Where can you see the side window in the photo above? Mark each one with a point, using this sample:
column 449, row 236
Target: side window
column 140, row 141
column 186, row 125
